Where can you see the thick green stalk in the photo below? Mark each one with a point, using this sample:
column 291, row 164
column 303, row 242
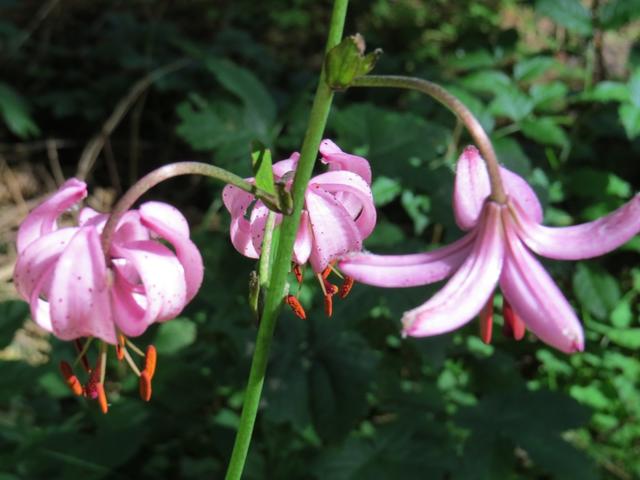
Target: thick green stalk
column 282, row 264
column 456, row 106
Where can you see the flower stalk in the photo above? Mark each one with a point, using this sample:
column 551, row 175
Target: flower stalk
column 472, row 124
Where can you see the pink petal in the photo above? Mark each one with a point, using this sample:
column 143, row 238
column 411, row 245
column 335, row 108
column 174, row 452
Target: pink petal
column 130, row 228
column 344, row 182
column 304, row 240
column 42, row 219
column 334, row 231
column 579, row 241
column 472, row 187
column 407, row 270
column 90, row 216
column 37, row 258
column 162, row 276
column 237, row 202
column 468, row 290
column 535, row 297
column 258, row 223
column 339, row 160
column 79, row 295
column 283, row 167
column 167, row 222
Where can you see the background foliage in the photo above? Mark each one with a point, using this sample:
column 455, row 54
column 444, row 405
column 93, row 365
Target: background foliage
column 556, row 82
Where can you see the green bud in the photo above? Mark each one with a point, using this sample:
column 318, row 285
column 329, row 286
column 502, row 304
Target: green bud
column 347, row 61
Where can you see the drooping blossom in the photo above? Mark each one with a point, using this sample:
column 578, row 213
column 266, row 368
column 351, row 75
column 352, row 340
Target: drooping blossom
column 498, row 250
column 77, row 290
column 338, row 212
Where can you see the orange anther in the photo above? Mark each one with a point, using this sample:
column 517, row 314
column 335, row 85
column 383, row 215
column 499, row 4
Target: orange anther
column 102, row 398
column 70, row 379
column 328, row 305
column 295, row 305
column 327, row 271
column 150, row 361
column 514, row 327
column 145, row 386
column 346, row 287
column 486, row 321
column 120, row 346
column 330, row 288
column 297, row 272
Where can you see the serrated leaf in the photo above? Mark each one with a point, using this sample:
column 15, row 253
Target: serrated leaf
column 544, row 130
column 607, row 91
column 571, row 14
column 484, row 81
column 175, row 335
column 15, row 113
column 385, row 190
column 549, row 96
column 532, row 68
column 596, row 290
column 630, row 118
column 511, row 103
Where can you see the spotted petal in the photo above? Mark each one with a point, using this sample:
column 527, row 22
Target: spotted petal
column 81, row 269
column 238, row 202
column 407, row 270
column 536, row 298
column 586, row 240
column 468, row 290
column 43, row 218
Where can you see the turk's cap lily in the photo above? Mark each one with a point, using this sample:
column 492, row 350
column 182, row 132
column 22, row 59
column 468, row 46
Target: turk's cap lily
column 75, row 289
column 338, row 213
column 497, row 250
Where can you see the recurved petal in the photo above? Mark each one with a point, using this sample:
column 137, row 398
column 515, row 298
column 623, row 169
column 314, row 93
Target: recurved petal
column 339, row 160
column 38, row 257
column 167, row 222
column 355, row 187
column 536, row 298
column 407, row 270
column 304, row 240
column 576, row 242
column 334, row 231
column 468, row 290
column 283, row 167
column 163, row 279
column 258, row 222
column 518, row 188
column 471, row 188
column 238, row 202
column 42, row 219
column 79, row 296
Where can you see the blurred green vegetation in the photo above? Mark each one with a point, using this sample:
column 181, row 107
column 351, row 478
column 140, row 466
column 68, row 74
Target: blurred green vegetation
column 555, row 82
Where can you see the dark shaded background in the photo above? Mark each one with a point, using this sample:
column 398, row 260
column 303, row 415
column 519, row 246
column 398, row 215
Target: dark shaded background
column 84, row 91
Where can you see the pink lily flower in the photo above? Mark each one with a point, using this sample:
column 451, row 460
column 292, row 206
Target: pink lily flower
column 497, row 249
column 75, row 290
column 338, row 213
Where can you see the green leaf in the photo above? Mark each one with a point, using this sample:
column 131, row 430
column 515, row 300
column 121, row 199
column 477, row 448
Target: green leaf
column 13, row 313
column 634, row 87
column 544, row 130
column 417, row 207
column 511, row 103
column 607, row 91
column 385, row 190
column 15, row 113
column 175, row 335
column 571, row 14
column 591, row 396
column 596, row 290
column 491, row 81
column 616, row 13
column 630, row 118
column 549, row 96
column 263, row 169
column 532, row 68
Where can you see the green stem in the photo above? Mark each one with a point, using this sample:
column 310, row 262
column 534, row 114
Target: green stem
column 456, row 106
column 173, row 170
column 282, row 264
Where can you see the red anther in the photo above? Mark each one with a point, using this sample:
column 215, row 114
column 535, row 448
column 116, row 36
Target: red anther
column 83, row 359
column 150, row 361
column 297, row 272
column 330, row 288
column 328, row 305
column 486, row 321
column 70, row 379
column 514, row 327
column 294, row 303
column 120, row 346
column 346, row 287
column 102, row 397
column 327, row 271
column 145, row 386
